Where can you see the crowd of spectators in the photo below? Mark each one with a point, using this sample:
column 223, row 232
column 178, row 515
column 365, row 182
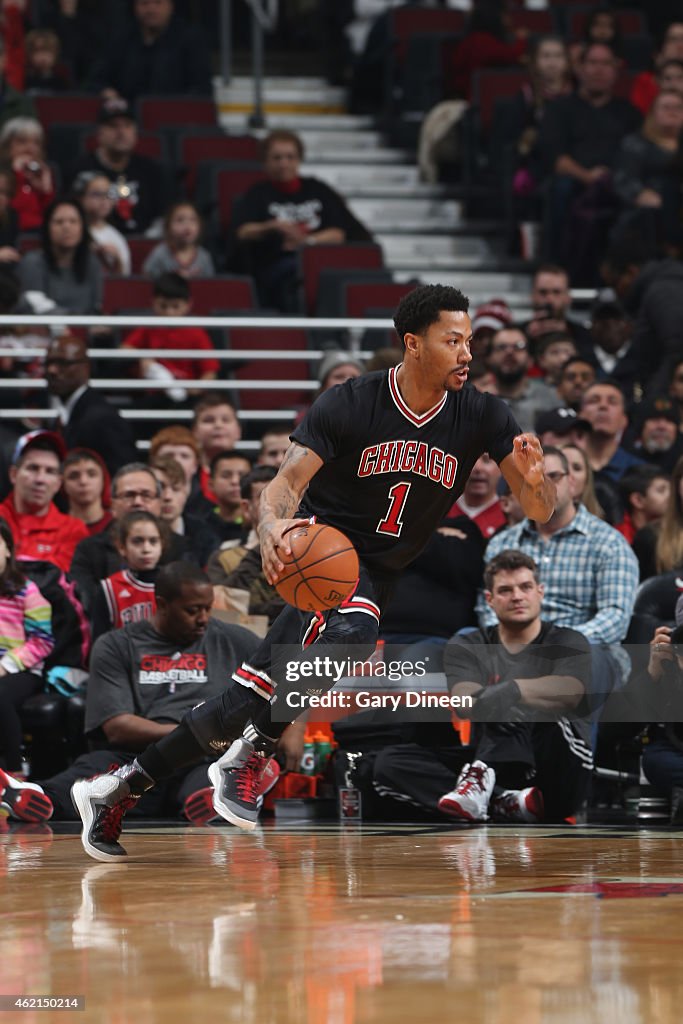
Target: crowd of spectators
column 596, row 164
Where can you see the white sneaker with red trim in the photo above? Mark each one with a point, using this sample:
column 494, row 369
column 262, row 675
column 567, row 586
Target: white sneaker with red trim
column 523, row 805
column 470, row 798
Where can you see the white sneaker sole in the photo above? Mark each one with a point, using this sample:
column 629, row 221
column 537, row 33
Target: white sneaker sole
column 83, row 804
column 225, row 812
column 456, row 810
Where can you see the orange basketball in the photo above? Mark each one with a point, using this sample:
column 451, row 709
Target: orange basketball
column 322, row 570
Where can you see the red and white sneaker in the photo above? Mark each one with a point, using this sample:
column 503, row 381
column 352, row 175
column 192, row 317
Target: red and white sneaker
column 470, row 798
column 523, row 805
column 199, row 809
column 24, row 801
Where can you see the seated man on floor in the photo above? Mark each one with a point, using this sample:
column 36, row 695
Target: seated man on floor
column 529, row 680
column 143, row 678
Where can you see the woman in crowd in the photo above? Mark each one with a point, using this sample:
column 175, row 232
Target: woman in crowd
column 25, row 641
column 87, row 488
column 95, row 193
column 180, row 250
column 22, row 142
column 64, row 268
column 581, row 480
column 128, row 595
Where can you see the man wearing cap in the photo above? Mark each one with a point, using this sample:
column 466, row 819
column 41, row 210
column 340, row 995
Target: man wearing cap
column 658, row 440
column 139, row 182
column 158, row 54
column 561, row 426
column 488, row 319
column 84, row 417
column 611, row 348
column 39, row 529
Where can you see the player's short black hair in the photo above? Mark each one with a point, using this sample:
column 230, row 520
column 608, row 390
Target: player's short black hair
column 171, row 578
column 258, row 475
column 171, row 286
column 421, row 308
column 508, row 561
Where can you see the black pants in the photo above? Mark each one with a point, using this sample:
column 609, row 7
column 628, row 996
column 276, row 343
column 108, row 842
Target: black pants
column 347, row 632
column 166, row 799
column 15, row 688
column 550, row 755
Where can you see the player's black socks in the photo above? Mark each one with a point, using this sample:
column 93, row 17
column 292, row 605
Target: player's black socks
column 264, row 724
column 167, row 755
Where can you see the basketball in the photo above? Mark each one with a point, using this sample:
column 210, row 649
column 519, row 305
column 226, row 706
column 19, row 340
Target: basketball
column 322, row 570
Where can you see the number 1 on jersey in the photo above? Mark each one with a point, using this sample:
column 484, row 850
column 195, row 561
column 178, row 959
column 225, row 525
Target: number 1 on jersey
column 392, row 522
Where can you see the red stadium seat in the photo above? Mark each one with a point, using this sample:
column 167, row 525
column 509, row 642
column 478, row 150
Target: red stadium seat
column 492, row 84
column 353, row 256
column 223, row 293
column 361, row 297
column 67, row 108
column 140, row 248
column 538, row 23
column 231, row 184
column 631, row 23
column 288, row 340
column 126, row 293
column 405, row 22
column 27, row 243
column 175, row 112
column 195, row 149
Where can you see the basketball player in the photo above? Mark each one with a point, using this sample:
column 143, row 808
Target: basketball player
column 381, row 457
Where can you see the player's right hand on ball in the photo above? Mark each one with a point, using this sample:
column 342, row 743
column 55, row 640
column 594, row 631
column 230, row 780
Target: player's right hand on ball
column 275, row 546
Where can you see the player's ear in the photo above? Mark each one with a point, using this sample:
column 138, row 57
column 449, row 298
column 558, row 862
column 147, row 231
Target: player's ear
column 412, row 343
column 541, row 589
column 489, row 596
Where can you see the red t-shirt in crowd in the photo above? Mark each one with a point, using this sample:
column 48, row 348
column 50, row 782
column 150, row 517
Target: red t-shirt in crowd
column 50, row 538
column 489, row 520
column 177, row 337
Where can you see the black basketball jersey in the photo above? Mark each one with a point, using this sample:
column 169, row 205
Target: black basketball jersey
column 389, row 476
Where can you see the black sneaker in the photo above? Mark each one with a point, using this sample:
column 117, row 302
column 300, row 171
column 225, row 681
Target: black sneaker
column 102, row 803
column 24, row 801
column 237, row 781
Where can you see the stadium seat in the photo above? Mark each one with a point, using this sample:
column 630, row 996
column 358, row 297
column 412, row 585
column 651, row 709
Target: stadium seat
column 316, row 258
column 232, row 183
column 225, row 293
column 288, row 340
column 155, row 112
column 537, row 23
column 67, row 108
column 196, row 149
column 359, row 297
column 140, row 248
column 491, row 84
column 631, row 23
column 125, row 293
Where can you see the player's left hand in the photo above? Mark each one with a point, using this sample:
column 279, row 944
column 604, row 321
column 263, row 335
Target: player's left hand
column 527, row 456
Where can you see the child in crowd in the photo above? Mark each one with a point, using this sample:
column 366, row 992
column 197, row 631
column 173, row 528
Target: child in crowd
column 87, row 487
column 128, row 595
column 97, row 195
column 25, row 641
column 216, row 429
column 43, row 72
column 180, row 250
column 172, row 298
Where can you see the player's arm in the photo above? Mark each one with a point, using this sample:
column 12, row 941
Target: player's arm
column 523, row 470
column 279, row 501
column 132, row 732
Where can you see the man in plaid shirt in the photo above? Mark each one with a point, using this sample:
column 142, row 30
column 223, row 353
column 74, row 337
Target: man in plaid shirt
column 589, row 572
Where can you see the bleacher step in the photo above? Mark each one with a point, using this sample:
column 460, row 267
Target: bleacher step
column 408, row 214
column 442, row 251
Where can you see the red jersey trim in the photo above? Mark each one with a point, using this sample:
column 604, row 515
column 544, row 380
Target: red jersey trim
column 405, row 410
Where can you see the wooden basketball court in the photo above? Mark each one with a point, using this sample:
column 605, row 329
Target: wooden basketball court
column 341, row 924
